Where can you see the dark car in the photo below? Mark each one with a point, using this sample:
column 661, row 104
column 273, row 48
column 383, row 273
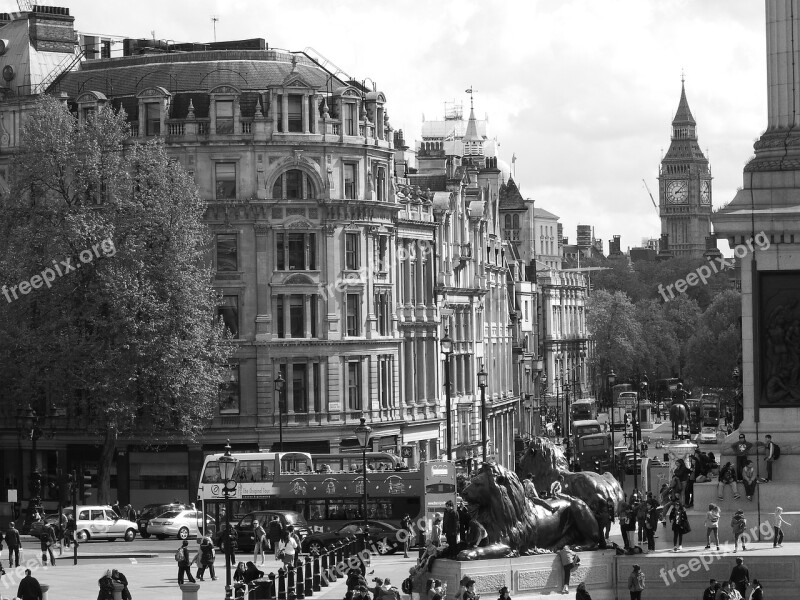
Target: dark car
column 151, row 511
column 244, row 528
column 384, row 537
column 37, row 526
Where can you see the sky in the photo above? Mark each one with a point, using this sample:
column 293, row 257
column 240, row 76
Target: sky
column 583, row 92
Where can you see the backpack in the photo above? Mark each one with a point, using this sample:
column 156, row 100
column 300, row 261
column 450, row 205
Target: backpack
column 406, row 586
column 776, row 451
column 179, row 554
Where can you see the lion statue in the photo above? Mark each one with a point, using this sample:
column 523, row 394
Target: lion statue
column 546, row 462
column 497, row 500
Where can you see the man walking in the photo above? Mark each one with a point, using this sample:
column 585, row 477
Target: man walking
column 12, row 539
column 450, row 526
column 47, row 538
column 29, row 588
column 740, row 576
column 274, row 533
column 183, row 563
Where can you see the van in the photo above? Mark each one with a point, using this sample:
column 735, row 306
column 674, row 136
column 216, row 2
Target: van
column 244, row 528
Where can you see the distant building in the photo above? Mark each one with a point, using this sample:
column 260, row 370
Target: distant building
column 614, row 249
column 642, row 254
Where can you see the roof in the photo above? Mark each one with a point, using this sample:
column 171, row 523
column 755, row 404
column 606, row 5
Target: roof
column 434, row 183
column 543, row 214
column 683, row 116
column 194, row 72
column 471, row 135
column 510, row 198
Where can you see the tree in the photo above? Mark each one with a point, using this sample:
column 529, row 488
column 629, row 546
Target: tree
column 110, row 309
column 611, row 319
column 684, row 313
column 659, row 348
column 714, row 349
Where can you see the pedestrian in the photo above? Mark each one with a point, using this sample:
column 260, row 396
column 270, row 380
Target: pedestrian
column 681, row 472
column 710, row 593
column 421, row 539
column 636, row 583
column 727, row 476
column 771, row 456
column 13, row 543
column 71, row 528
column 408, row 533
column 532, row 495
column 624, row 516
column 603, row 521
column 651, row 525
column 450, row 525
column 182, row 557
column 757, row 593
column 46, row 539
column 569, row 562
column 740, row 576
column 504, row 594
column 207, row 556
column 749, row 479
column 259, row 541
column 725, row 591
column 118, row 577
column 741, row 449
column 106, row 584
column 557, row 487
column 29, row 588
column 680, row 525
column 288, row 548
column 581, row 593
column 778, row 521
column 436, row 530
column 712, row 525
column 738, row 525
column 228, row 541
column 116, row 508
column 694, row 471
column 375, row 591
column 274, row 534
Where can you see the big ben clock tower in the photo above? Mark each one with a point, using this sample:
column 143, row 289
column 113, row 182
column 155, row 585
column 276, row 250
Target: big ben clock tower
column 685, row 188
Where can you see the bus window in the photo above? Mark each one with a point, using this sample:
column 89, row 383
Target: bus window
column 316, row 510
column 440, row 488
column 588, row 442
column 211, row 473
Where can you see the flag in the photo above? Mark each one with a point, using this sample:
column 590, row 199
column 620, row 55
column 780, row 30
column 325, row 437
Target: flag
column 469, row 90
column 513, row 158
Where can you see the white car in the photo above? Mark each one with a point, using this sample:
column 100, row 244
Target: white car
column 708, row 435
column 102, row 523
column 182, row 524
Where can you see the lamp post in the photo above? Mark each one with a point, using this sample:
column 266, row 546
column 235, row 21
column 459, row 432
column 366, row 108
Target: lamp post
column 558, row 404
column 447, row 350
column 227, row 467
column 569, row 421
column 543, row 406
column 280, row 386
column 28, row 426
column 363, row 434
column 482, row 382
column 611, row 379
column 635, row 426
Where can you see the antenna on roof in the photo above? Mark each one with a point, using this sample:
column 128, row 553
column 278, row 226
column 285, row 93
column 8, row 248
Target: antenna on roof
column 214, row 19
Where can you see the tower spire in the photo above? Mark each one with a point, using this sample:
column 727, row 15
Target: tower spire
column 471, row 135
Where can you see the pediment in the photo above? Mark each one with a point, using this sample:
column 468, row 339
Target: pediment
column 300, row 223
column 227, row 90
column 298, row 279
column 154, row 92
column 91, row 97
column 296, row 81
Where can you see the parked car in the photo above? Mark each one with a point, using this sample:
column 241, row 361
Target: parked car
column 151, row 511
column 244, row 528
column 182, row 524
column 385, row 537
column 101, row 523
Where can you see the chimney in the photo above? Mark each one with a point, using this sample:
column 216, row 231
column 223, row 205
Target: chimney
column 52, row 29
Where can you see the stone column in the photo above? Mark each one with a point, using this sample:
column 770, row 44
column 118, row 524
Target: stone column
column 284, row 112
column 189, row 591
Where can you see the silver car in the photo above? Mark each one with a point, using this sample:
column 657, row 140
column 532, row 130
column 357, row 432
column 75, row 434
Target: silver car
column 182, row 524
column 102, row 523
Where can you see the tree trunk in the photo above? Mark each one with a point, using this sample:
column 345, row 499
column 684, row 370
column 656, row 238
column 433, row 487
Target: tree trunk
column 104, row 466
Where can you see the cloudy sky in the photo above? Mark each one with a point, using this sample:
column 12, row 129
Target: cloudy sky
column 582, row 91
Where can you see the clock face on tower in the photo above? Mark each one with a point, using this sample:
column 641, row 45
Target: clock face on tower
column 705, row 192
column 677, row 192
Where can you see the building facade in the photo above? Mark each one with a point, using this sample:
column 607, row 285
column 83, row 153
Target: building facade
column 684, row 189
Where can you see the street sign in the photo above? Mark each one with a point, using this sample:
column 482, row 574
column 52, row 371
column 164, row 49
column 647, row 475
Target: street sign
column 407, row 451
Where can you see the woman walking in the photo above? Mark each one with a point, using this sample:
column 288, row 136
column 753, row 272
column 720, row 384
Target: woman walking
column 207, row 556
column 679, row 526
column 778, row 522
column 712, row 525
column 259, row 541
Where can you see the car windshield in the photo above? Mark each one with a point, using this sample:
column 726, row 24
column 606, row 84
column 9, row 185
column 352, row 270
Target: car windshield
column 169, row 515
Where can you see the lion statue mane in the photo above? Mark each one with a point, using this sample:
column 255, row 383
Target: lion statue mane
column 497, row 500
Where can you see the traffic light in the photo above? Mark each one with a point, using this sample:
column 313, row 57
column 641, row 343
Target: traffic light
column 86, row 485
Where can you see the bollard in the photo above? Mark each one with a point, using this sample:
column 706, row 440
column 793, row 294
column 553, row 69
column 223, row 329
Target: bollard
column 291, row 583
column 332, row 576
column 315, row 582
column 325, row 576
column 308, row 571
column 45, row 587
column 339, row 554
column 299, row 581
column 271, row 592
column 118, row 587
column 189, row 591
column 281, row 584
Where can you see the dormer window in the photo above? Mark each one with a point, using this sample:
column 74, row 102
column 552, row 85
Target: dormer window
column 152, row 117
column 295, row 113
column 224, row 116
column 349, row 111
column 88, row 103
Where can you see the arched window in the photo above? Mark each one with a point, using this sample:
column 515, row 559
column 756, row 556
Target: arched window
column 508, row 221
column 515, row 220
column 293, row 185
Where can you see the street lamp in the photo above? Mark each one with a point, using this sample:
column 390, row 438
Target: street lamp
column 637, row 426
column 447, row 350
column 363, row 434
column 482, row 382
column 557, row 382
column 227, row 467
column 28, row 427
column 280, row 386
column 611, row 378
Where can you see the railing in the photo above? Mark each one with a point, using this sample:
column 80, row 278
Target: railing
column 247, row 127
column 203, row 127
column 176, row 128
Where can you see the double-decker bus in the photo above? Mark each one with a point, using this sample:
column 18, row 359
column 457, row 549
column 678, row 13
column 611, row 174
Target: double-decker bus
column 584, row 409
column 328, row 489
column 624, row 403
